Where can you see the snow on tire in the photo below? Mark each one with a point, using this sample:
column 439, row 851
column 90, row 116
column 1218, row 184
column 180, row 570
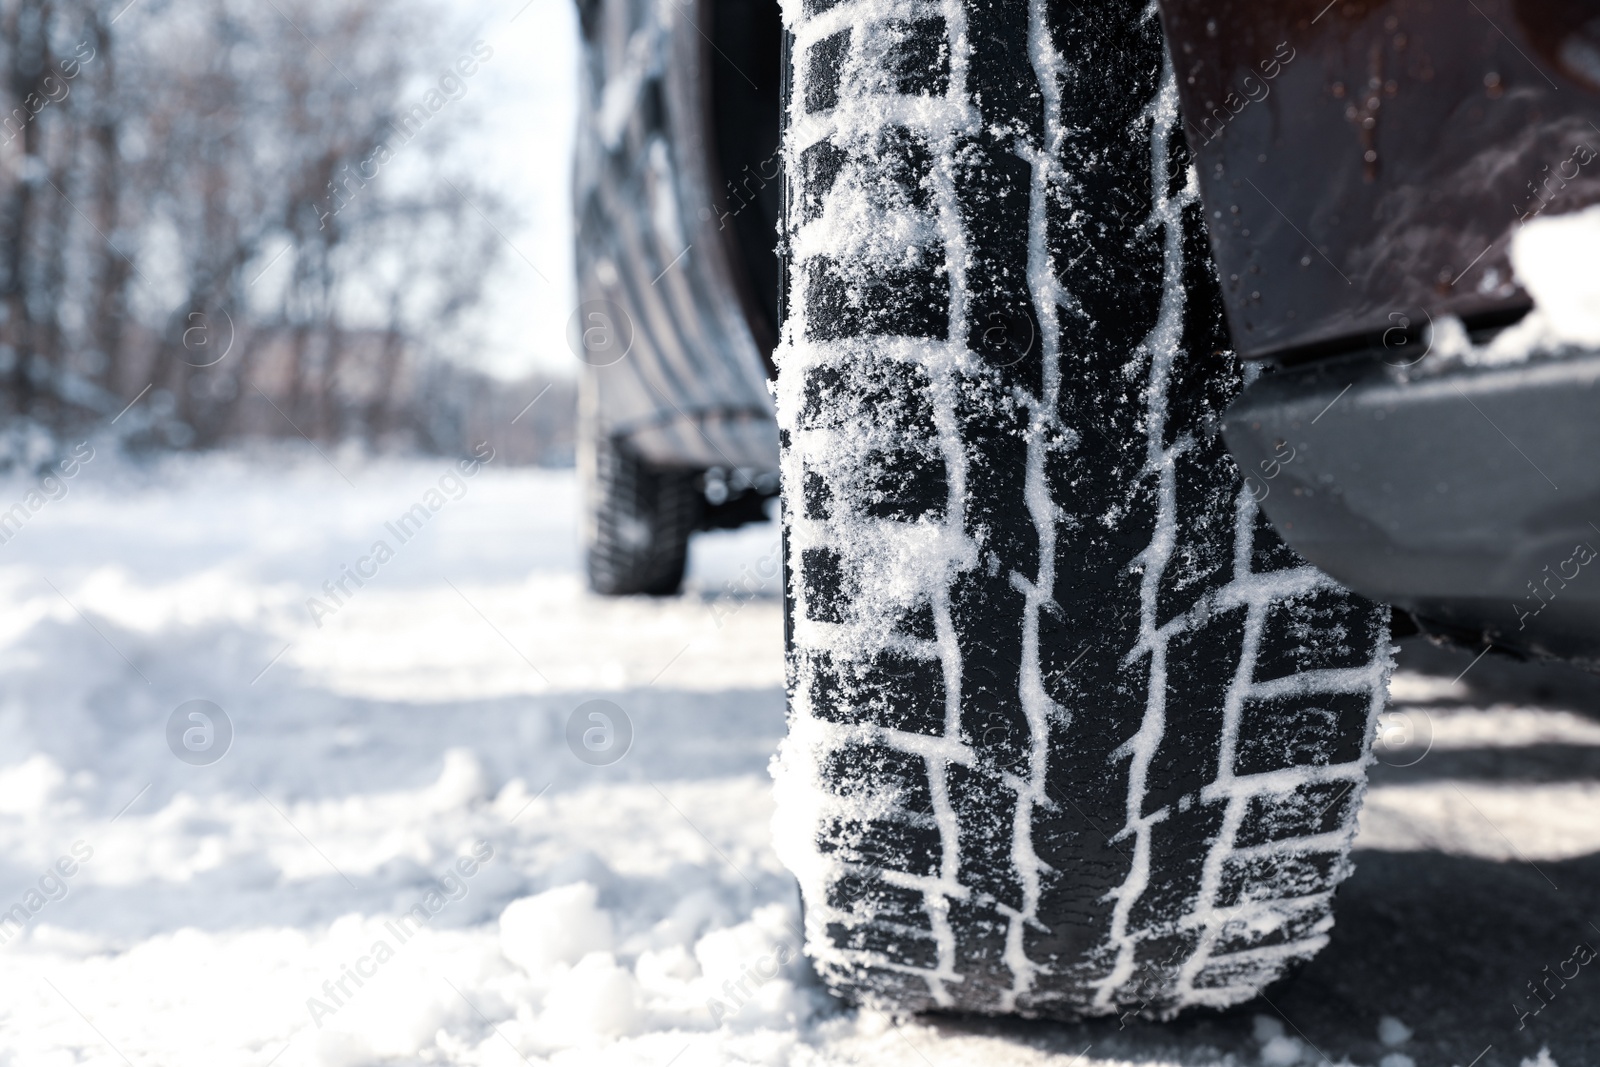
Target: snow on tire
column 1071, row 731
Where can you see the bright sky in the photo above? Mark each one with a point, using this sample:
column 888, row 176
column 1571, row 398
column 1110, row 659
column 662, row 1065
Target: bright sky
column 526, row 98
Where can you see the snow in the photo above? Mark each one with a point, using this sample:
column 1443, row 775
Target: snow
column 531, row 85
column 1162, row 345
column 866, row 227
column 1282, row 1051
column 559, row 926
column 1265, row 1028
column 1456, row 724
column 1393, row 1032
column 399, row 813
column 1043, row 428
column 574, row 914
column 1499, row 821
column 1554, row 260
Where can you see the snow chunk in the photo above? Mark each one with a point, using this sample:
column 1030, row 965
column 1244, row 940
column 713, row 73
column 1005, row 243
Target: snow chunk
column 1556, row 261
column 596, row 1000
column 1282, row 1052
column 561, row 926
column 1277, row 1048
column 1397, row 1059
column 26, row 787
column 462, row 781
column 666, row 971
column 1544, row 1059
column 1266, row 1028
column 749, row 969
column 1393, row 1032
column 1409, row 687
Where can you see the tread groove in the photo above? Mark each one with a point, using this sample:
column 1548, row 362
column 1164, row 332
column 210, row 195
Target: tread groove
column 1010, row 570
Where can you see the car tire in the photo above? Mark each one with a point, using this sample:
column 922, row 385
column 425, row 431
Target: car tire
column 1072, row 732
column 640, row 521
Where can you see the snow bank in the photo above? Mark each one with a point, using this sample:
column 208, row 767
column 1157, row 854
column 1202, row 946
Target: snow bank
column 631, row 915
column 303, row 900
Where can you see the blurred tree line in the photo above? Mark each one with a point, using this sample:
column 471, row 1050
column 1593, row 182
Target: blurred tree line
column 210, row 211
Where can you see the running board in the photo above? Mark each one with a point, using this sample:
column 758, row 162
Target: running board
column 1467, row 495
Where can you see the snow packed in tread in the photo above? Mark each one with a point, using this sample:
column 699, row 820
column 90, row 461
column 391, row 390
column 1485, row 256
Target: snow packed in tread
column 1071, row 732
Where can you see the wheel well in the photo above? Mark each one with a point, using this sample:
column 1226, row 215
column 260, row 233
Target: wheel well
column 746, row 66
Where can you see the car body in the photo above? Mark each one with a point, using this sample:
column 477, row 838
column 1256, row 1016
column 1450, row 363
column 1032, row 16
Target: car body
column 677, row 195
column 1419, row 141
column 1366, row 170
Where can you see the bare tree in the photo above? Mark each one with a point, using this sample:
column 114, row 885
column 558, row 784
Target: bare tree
column 159, row 162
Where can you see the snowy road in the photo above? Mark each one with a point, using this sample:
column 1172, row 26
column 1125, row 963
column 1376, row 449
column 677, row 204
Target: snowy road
column 404, row 771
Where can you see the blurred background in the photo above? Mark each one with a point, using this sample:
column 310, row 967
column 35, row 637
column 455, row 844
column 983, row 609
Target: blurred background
column 345, row 220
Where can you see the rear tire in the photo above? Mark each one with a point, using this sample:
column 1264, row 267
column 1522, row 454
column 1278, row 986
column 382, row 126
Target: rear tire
column 1071, row 731
column 641, row 518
